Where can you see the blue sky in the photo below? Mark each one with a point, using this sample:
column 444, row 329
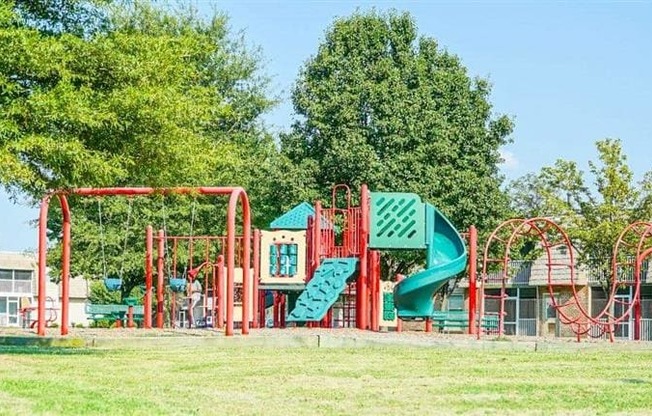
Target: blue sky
column 569, row 73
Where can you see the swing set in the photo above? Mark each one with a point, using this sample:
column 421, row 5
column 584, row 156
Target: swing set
column 113, row 283
column 229, row 249
column 195, row 275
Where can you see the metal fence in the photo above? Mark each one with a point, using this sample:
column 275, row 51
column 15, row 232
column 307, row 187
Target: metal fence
column 527, row 327
column 646, row 329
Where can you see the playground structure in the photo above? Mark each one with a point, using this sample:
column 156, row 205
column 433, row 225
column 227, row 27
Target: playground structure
column 320, row 267
column 193, row 303
column 628, row 264
column 336, row 251
column 235, row 195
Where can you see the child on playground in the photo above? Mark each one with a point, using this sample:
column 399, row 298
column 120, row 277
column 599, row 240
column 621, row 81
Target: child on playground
column 194, row 297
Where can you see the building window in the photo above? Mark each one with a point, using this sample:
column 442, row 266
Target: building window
column 16, row 281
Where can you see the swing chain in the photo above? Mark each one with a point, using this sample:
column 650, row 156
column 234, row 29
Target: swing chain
column 99, row 211
column 127, row 226
column 165, row 234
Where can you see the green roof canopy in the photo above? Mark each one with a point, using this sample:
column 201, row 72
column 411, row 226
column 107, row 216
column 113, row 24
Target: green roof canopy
column 296, row 218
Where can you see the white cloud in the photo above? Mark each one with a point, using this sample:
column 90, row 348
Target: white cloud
column 510, row 162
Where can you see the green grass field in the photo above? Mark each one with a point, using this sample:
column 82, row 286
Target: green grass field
column 302, row 381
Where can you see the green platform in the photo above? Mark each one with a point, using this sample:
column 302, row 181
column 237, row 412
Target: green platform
column 323, row 290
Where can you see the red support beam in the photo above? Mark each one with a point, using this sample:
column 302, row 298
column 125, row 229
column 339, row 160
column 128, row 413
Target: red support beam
column 130, row 316
column 149, row 245
column 160, row 279
column 241, row 195
column 473, row 264
column 282, row 311
column 276, row 310
column 42, row 262
column 214, row 292
column 65, row 266
column 316, row 239
column 362, row 291
column 256, row 298
column 221, row 304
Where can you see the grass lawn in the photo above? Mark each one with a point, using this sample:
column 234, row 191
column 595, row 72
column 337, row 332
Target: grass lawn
column 307, row 381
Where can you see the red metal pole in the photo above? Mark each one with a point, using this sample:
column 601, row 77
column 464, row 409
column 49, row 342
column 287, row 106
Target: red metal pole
column 130, row 316
column 149, row 245
column 208, row 278
column 428, row 325
column 310, row 249
column 160, row 279
column 65, row 264
column 261, row 310
column 230, row 260
column 256, row 298
column 42, row 259
column 214, row 283
column 316, row 239
column 42, row 262
column 473, row 289
column 220, row 291
column 362, row 287
column 207, row 283
column 276, row 308
column 180, row 190
column 238, row 193
column 282, row 310
column 637, row 299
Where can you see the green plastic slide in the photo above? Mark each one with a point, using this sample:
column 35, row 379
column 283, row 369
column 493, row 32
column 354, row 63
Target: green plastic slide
column 321, row 292
column 447, row 257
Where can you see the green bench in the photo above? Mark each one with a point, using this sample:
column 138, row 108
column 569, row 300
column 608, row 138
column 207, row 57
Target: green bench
column 458, row 320
column 112, row 312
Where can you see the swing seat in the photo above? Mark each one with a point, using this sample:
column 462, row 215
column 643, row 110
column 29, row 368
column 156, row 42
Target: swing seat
column 113, row 284
column 178, row 284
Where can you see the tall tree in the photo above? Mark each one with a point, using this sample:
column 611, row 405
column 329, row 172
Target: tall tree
column 150, row 96
column 381, row 105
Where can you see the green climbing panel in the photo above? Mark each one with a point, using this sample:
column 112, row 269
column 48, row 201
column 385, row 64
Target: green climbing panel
column 321, row 292
column 389, row 312
column 397, row 221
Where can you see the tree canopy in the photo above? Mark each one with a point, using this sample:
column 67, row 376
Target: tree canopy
column 129, row 94
column 155, row 99
column 381, row 105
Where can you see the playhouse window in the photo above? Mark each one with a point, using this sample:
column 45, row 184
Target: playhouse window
column 283, row 260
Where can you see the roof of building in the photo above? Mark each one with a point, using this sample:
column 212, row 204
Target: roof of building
column 296, row 218
column 17, row 260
